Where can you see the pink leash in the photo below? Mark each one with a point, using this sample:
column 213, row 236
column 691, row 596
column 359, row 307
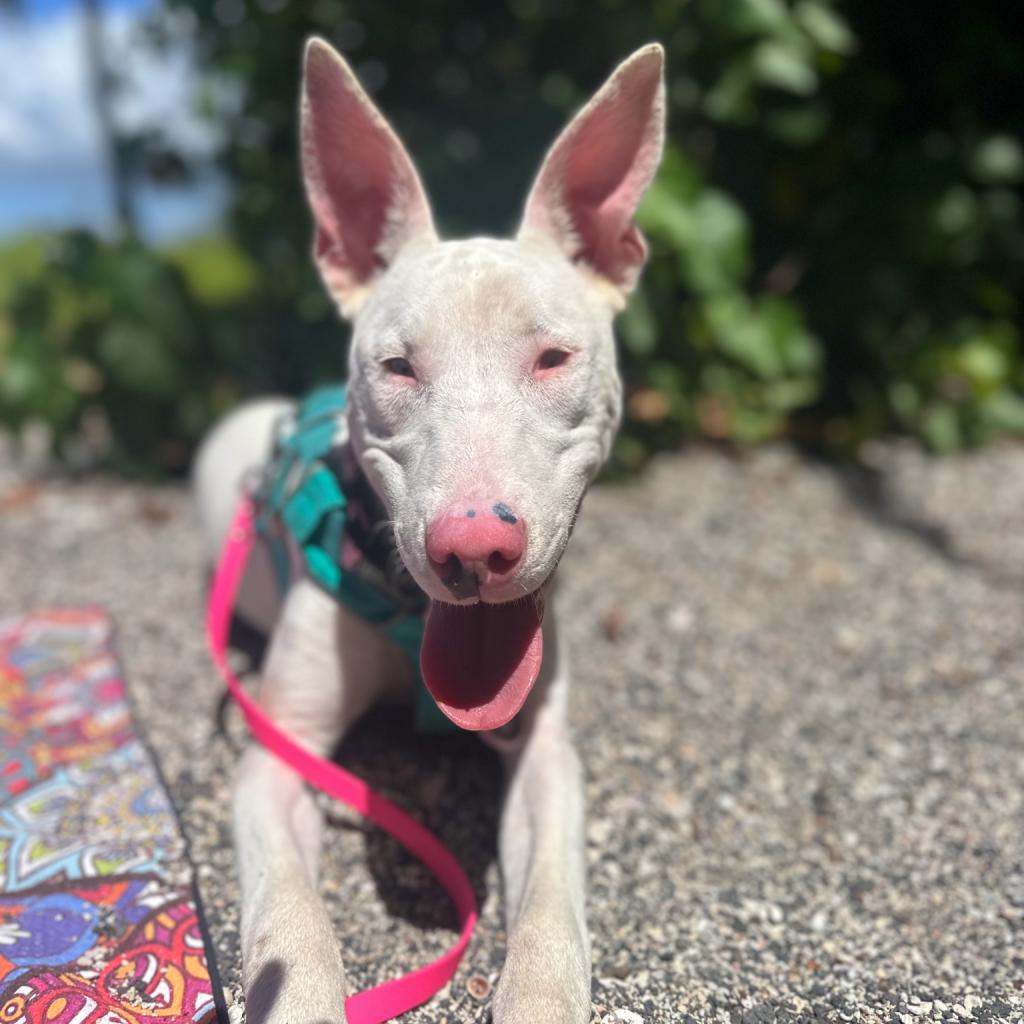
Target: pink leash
column 387, row 1001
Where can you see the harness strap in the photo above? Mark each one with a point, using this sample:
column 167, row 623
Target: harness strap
column 389, row 1000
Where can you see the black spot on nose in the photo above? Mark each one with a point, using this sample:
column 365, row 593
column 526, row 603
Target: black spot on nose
column 471, row 513
column 503, row 512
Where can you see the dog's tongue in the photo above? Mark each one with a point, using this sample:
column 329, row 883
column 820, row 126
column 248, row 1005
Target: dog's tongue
column 480, row 661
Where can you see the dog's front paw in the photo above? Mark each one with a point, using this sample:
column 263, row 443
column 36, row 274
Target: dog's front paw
column 543, row 981
column 541, row 1004
column 278, row 992
column 291, row 964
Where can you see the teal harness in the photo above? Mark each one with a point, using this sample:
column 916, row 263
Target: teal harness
column 312, row 498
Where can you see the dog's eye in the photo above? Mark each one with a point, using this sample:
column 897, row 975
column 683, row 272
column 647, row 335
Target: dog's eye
column 551, row 359
column 400, row 367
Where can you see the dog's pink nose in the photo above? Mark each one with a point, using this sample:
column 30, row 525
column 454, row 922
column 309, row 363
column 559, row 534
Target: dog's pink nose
column 475, row 544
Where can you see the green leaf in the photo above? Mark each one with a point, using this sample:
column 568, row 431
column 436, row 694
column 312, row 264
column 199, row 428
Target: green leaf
column 751, row 425
column 957, row 211
column 784, row 396
column 825, row 27
column 1004, row 410
column 941, row 428
column 666, row 215
column 904, row 399
column 137, row 358
column 731, row 98
column 639, row 329
column 983, row 362
column 216, row 271
column 722, row 226
column 799, row 125
column 755, row 17
column 785, row 66
column 999, row 160
column 743, row 334
column 18, row 379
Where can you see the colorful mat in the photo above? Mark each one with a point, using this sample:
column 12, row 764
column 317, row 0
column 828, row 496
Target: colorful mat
column 99, row 920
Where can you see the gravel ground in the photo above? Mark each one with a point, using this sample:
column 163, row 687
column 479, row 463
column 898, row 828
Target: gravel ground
column 799, row 698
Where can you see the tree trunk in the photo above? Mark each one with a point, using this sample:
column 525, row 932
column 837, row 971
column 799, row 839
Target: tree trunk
column 120, row 177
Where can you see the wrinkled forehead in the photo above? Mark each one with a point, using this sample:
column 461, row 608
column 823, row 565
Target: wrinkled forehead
column 483, row 288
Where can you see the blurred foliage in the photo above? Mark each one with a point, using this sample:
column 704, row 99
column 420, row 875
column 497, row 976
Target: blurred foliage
column 109, row 343
column 837, row 237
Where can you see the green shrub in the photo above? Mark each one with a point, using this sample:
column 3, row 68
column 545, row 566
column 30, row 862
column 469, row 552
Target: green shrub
column 836, row 234
column 108, row 340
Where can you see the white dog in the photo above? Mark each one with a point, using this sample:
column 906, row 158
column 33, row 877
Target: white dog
column 483, row 397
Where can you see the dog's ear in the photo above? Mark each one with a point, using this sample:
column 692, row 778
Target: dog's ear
column 594, row 175
column 364, row 191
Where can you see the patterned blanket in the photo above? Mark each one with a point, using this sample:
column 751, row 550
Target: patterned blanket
column 98, row 913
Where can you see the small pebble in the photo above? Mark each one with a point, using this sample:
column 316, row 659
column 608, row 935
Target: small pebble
column 628, row 1017
column 612, row 624
column 478, row 986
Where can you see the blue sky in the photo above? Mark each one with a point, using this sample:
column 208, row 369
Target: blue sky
column 44, row 8
column 52, row 166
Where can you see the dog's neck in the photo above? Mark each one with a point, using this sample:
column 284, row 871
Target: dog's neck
column 368, row 526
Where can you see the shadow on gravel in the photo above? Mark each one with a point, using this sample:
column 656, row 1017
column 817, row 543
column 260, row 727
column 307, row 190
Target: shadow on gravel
column 452, row 784
column 870, row 493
